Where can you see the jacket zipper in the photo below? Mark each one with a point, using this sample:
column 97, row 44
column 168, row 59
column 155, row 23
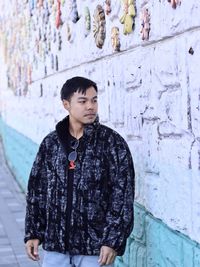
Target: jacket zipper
column 69, row 202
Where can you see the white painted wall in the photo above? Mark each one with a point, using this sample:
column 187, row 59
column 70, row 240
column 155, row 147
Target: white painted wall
column 149, row 92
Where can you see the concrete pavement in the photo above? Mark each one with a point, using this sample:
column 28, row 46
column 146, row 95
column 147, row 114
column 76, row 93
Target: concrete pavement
column 12, row 212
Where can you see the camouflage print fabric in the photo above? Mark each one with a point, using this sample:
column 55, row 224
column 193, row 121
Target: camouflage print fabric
column 103, row 192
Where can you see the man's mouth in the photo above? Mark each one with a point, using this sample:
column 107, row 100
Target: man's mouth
column 89, row 115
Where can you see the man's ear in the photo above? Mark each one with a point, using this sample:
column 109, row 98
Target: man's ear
column 66, row 104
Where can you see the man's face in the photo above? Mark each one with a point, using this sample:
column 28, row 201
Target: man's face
column 82, row 108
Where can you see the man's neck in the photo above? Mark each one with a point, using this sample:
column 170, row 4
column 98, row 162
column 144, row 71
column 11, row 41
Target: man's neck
column 75, row 129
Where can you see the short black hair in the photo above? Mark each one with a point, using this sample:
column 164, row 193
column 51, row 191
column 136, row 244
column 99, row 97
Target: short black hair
column 76, row 84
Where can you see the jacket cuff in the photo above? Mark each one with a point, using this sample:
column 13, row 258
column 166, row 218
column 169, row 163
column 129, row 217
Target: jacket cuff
column 29, row 237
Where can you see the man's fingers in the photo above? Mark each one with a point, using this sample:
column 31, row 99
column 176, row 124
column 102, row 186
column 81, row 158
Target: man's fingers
column 110, row 258
column 35, row 249
column 29, row 249
column 103, row 260
column 107, row 255
column 32, row 249
column 101, row 257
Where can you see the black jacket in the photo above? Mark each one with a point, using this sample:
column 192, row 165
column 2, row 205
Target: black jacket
column 103, row 192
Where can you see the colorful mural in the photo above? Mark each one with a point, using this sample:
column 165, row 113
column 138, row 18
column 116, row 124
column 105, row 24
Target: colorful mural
column 33, row 32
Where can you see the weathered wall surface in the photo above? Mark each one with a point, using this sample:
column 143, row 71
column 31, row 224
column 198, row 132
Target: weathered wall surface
column 149, row 91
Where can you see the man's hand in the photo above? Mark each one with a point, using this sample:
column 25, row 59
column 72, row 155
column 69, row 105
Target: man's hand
column 107, row 256
column 32, row 249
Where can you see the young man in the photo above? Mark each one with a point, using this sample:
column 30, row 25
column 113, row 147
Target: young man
column 81, row 187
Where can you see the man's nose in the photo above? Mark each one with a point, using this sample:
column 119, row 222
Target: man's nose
column 90, row 105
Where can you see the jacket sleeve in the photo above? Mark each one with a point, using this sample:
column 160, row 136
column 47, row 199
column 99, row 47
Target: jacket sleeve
column 119, row 218
column 36, row 198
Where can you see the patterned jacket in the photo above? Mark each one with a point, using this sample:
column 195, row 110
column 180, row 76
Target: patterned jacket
column 103, row 192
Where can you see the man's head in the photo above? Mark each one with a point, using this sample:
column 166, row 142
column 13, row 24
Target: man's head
column 79, row 97
column 76, row 84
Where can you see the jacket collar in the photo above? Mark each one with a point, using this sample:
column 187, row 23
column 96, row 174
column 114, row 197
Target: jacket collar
column 62, row 129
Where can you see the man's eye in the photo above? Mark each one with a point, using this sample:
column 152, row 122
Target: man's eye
column 82, row 101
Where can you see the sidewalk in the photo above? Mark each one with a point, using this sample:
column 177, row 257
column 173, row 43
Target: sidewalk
column 12, row 212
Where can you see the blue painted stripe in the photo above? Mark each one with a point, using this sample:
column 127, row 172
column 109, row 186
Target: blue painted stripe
column 152, row 243
column 20, row 152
